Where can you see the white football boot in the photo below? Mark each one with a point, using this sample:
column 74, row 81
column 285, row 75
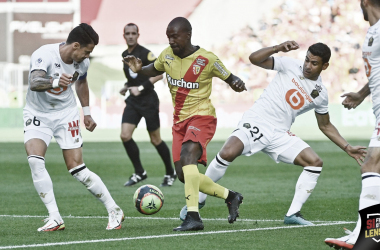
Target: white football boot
column 345, row 242
column 52, row 225
column 116, row 217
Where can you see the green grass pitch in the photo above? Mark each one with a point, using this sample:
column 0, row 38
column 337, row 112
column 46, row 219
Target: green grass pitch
column 267, row 187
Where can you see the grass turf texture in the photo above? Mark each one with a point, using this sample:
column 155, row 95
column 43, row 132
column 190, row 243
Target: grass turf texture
column 267, row 187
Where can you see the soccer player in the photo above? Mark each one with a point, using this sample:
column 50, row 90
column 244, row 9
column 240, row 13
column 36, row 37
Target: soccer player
column 142, row 102
column 51, row 110
column 189, row 71
column 296, row 89
column 370, row 169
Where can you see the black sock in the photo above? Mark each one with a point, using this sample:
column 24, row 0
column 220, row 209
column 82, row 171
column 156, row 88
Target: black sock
column 134, row 154
column 164, row 152
column 194, row 215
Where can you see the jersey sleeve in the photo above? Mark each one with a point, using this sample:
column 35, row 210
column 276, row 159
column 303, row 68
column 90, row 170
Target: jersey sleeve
column 282, row 63
column 40, row 60
column 218, row 69
column 159, row 63
column 323, row 108
column 85, row 66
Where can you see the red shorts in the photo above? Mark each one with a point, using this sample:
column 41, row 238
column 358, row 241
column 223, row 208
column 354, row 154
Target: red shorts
column 198, row 128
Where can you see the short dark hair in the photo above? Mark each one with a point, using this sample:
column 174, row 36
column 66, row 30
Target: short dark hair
column 182, row 22
column 321, row 50
column 132, row 24
column 84, row 34
column 375, row 2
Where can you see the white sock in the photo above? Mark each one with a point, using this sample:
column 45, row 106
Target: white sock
column 94, row 184
column 215, row 171
column 43, row 184
column 370, row 194
column 305, row 185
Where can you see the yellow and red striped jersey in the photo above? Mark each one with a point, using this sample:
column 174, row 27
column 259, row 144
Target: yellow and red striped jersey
column 190, row 81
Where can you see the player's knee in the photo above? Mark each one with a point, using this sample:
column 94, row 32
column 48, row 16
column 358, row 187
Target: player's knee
column 227, row 154
column 317, row 162
column 155, row 140
column 369, row 168
column 36, row 164
column 125, row 137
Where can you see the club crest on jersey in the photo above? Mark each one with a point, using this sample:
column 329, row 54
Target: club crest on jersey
column 196, row 69
column 370, row 41
column 314, row 93
column 39, row 61
column 75, row 76
column 301, row 77
column 247, row 125
column 76, row 65
column 28, row 122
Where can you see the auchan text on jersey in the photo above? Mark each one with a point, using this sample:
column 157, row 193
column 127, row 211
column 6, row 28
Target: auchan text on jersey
column 182, row 83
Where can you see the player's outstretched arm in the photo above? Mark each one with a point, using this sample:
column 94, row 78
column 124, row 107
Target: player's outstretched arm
column 353, row 100
column 324, row 124
column 262, row 57
column 40, row 82
column 135, row 64
column 236, row 83
column 81, row 87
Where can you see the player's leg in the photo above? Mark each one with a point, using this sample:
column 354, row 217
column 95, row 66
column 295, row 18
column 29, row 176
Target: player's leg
column 299, row 153
column 37, row 138
column 93, row 183
column 130, row 120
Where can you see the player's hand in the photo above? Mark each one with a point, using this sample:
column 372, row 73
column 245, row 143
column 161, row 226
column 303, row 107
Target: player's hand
column 89, row 123
column 123, row 90
column 237, row 84
column 357, row 152
column 65, row 80
column 134, row 91
column 287, row 46
column 352, row 100
column 135, row 64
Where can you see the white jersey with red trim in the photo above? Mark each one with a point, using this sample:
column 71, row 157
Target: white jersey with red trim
column 289, row 94
column 48, row 59
column 371, row 57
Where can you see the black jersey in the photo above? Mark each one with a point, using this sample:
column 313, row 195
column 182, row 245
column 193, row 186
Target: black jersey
column 135, row 79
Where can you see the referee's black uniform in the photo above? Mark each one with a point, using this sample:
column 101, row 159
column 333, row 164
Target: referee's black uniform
column 146, row 104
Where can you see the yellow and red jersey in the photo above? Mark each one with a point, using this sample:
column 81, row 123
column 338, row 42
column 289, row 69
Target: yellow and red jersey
column 190, row 81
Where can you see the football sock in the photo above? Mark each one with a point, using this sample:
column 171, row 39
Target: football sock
column 191, row 175
column 134, row 154
column 370, row 194
column 215, row 171
column 208, row 187
column 43, row 184
column 164, row 152
column 94, row 184
column 305, row 185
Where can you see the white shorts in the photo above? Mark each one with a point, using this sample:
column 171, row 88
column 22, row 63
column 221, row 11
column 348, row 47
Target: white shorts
column 63, row 125
column 375, row 138
column 258, row 135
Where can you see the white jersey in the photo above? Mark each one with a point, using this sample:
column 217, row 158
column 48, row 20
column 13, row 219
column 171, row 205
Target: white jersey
column 289, row 94
column 48, row 59
column 371, row 57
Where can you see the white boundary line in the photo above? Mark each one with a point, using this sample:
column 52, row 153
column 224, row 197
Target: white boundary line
column 159, row 218
column 165, row 236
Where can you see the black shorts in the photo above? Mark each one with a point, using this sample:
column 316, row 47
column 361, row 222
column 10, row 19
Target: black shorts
column 146, row 106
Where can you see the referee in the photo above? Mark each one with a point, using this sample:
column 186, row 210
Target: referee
column 142, row 102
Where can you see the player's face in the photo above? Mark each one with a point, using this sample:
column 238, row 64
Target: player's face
column 365, row 12
column 131, row 35
column 81, row 53
column 313, row 66
column 178, row 39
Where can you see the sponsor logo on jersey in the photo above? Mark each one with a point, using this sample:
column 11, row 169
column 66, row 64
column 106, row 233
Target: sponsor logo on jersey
column 150, row 56
column 196, row 69
column 314, row 93
column 169, row 57
column 370, row 41
column 294, row 98
column 182, row 83
column 201, row 61
column 247, row 125
column 302, row 90
column 74, row 128
column 220, row 69
column 28, row 122
column 57, row 65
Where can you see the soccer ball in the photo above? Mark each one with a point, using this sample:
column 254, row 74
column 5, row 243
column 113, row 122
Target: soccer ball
column 148, row 199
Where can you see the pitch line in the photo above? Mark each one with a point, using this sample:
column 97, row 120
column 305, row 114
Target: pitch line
column 164, row 236
column 160, row 218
